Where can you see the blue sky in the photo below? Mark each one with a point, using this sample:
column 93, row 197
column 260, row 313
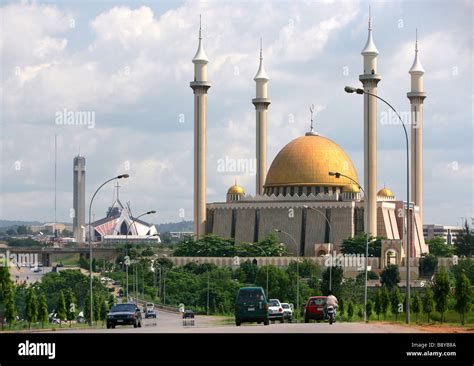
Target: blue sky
column 130, row 64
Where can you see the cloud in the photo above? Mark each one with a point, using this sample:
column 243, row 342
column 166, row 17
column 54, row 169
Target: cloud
column 132, row 69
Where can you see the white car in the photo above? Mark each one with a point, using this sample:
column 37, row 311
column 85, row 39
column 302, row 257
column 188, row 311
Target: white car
column 275, row 310
column 287, row 311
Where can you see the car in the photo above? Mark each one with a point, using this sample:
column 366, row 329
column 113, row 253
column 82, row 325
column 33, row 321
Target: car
column 251, row 305
column 188, row 314
column 287, row 311
column 124, row 314
column 314, row 308
column 150, row 313
column 275, row 310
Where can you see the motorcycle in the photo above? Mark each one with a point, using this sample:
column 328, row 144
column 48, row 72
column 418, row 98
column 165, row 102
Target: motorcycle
column 331, row 314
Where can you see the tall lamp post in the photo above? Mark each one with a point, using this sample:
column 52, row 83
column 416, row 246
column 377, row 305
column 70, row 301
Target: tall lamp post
column 350, row 89
column 265, row 254
column 121, row 176
column 338, row 175
column 297, row 270
column 126, row 242
column 330, row 232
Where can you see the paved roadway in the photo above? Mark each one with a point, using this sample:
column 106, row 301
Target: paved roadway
column 172, row 323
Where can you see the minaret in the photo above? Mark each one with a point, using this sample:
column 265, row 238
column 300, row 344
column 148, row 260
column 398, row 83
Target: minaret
column 261, row 103
column 369, row 80
column 200, row 85
column 79, row 198
column 417, row 96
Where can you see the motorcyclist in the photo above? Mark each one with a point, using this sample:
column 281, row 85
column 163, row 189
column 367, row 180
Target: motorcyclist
column 331, row 301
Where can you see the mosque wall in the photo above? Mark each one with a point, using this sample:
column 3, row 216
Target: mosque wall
column 245, row 225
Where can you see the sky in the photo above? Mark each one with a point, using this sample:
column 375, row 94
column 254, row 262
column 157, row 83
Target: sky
column 126, row 66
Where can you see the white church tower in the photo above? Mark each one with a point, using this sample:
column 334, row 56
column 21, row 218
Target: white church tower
column 370, row 78
column 416, row 97
column 261, row 103
column 200, row 85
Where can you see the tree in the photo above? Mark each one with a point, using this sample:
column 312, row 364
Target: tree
column 378, row 303
column 464, row 242
column 463, row 296
column 360, row 313
column 350, row 310
column 390, row 276
column 428, row 303
column 428, row 264
column 42, row 309
column 96, row 307
column 441, row 290
column 465, row 266
column 87, row 309
column 357, row 245
column 341, row 308
column 22, row 230
column 369, row 308
column 416, row 305
column 371, row 275
column 395, row 300
column 111, row 301
column 10, row 307
column 336, row 279
column 71, row 306
column 31, row 309
column 61, row 308
column 439, row 248
column 104, row 309
column 385, row 301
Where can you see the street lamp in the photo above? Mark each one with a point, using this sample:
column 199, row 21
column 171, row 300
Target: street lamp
column 265, row 254
column 121, row 176
column 330, row 245
column 126, row 241
column 366, row 198
column 350, row 89
column 297, row 270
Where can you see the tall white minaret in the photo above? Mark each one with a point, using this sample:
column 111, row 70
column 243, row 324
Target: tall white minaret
column 416, row 97
column 200, row 85
column 369, row 80
column 261, row 103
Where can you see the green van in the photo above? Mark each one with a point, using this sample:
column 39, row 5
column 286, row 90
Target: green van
column 251, row 306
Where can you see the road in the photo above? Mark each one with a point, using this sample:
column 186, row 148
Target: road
column 172, row 323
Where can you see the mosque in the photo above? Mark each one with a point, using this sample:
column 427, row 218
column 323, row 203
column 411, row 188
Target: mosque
column 297, row 194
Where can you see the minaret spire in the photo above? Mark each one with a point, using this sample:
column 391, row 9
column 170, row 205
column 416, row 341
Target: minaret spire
column 200, row 86
column 261, row 103
column 370, row 79
column 417, row 96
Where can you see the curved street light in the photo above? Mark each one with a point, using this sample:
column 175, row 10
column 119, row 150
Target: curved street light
column 126, row 242
column 330, row 233
column 265, row 254
column 338, row 175
column 297, row 270
column 350, row 89
column 121, row 176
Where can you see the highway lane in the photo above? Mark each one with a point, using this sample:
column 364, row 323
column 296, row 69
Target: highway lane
column 172, row 323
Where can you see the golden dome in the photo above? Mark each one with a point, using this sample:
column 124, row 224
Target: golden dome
column 385, row 192
column 235, row 189
column 351, row 188
column 307, row 161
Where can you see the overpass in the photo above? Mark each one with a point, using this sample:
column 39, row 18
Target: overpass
column 46, row 254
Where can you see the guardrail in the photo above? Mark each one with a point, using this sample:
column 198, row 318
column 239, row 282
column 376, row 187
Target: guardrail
column 167, row 308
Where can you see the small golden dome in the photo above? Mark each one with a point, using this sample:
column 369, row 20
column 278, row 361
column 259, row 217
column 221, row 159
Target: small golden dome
column 235, row 189
column 307, row 161
column 385, row 192
column 351, row 188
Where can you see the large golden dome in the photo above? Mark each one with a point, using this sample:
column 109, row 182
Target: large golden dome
column 307, row 161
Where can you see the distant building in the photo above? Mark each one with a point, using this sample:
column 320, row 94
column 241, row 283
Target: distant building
column 51, row 227
column 117, row 222
column 79, row 198
column 448, row 233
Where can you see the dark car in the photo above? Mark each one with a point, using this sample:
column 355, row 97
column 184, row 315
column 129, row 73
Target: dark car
column 124, row 314
column 314, row 308
column 188, row 314
column 150, row 313
column 251, row 306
